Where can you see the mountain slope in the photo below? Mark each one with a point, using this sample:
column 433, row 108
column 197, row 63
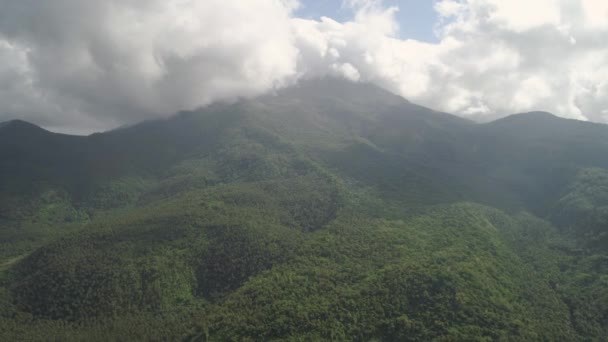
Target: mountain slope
column 328, row 211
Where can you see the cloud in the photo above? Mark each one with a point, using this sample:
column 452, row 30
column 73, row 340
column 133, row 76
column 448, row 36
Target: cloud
column 97, row 64
column 81, row 66
column 494, row 57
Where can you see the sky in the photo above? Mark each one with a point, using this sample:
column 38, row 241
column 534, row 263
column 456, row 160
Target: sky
column 416, row 18
column 81, row 66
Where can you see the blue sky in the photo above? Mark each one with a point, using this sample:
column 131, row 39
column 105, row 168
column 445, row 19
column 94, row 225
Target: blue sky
column 416, row 17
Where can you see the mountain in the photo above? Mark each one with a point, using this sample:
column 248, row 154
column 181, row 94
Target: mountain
column 330, row 210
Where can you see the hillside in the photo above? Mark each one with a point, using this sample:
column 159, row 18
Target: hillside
column 327, row 211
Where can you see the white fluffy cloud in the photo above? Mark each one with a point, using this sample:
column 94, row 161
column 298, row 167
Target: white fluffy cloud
column 494, row 57
column 75, row 65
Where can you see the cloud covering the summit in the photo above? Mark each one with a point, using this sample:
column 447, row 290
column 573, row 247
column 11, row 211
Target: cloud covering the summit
column 83, row 66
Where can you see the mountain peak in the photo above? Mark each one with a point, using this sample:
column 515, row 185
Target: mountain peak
column 334, row 88
column 20, row 128
column 526, row 118
column 537, row 115
column 18, row 124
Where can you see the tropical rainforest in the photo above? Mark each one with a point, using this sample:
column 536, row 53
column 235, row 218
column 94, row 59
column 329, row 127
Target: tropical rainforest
column 329, row 211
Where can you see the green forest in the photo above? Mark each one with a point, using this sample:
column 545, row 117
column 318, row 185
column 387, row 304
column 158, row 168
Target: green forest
column 331, row 211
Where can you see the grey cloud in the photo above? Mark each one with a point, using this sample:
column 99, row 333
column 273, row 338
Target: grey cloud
column 95, row 65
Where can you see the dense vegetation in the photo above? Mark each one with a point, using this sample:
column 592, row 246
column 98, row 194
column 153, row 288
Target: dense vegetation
column 331, row 211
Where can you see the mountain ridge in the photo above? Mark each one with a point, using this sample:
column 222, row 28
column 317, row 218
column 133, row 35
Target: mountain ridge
column 313, row 214
column 308, row 90
column 20, row 124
